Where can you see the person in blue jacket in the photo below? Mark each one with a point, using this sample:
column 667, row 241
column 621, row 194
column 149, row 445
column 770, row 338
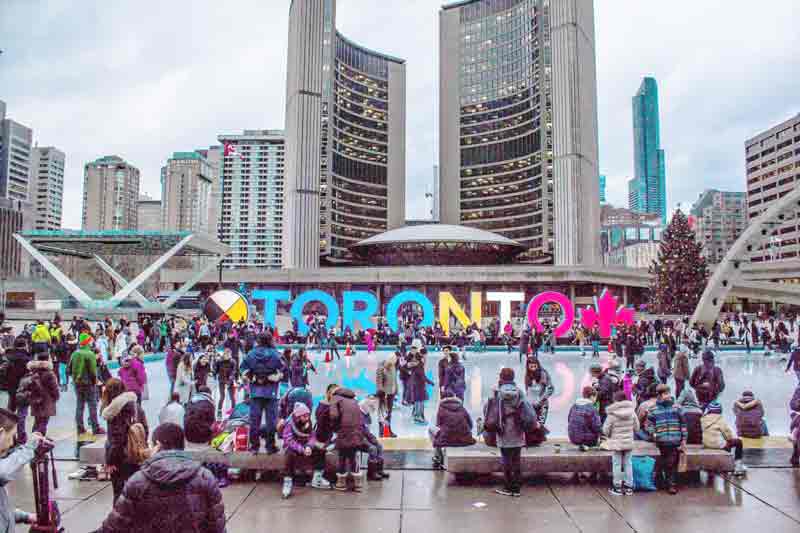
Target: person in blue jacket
column 264, row 369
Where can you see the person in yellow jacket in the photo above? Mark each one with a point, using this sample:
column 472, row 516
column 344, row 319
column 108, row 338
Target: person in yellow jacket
column 40, row 338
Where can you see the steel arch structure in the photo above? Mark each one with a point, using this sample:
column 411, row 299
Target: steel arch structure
column 729, row 272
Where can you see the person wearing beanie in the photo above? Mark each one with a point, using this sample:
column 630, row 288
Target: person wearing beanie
column 299, row 443
column 667, row 428
column 83, row 369
column 692, row 413
column 718, row 435
column 680, row 369
column 707, row 380
column 750, row 421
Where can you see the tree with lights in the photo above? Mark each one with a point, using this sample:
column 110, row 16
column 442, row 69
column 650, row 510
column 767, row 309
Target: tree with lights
column 679, row 276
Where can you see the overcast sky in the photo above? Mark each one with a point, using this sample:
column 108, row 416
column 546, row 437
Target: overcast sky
column 145, row 78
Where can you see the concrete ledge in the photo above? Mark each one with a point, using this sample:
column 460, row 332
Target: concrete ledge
column 567, row 458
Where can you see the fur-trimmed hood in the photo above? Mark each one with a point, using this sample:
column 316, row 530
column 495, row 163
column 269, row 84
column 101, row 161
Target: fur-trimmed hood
column 116, row 405
column 40, row 365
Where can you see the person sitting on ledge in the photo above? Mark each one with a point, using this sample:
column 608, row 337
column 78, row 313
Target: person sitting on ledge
column 584, row 426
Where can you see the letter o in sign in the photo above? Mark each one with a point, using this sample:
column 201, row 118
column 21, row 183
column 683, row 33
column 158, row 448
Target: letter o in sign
column 552, row 297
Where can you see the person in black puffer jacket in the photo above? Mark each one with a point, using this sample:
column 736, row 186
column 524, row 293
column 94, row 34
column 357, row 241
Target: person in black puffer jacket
column 199, row 418
column 120, row 411
column 171, row 493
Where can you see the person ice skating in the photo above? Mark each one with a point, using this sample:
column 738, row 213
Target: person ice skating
column 184, row 378
column 170, row 493
column 668, row 431
column 454, row 377
column 718, row 435
column 226, row 370
column 619, row 428
column 386, row 385
column 299, row 443
column 680, row 369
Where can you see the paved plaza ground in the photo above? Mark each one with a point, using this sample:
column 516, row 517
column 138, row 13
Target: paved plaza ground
column 768, row 500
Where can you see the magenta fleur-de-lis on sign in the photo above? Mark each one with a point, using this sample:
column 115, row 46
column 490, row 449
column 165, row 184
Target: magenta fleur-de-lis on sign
column 605, row 314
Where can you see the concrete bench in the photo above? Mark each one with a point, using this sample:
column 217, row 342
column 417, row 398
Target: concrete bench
column 553, row 457
column 94, row 453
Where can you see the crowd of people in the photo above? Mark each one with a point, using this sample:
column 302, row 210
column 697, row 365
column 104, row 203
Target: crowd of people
column 232, row 387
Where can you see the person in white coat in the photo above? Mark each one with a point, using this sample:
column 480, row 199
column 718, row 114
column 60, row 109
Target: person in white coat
column 184, row 379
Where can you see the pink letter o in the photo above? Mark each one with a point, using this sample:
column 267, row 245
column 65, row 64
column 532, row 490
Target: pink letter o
column 551, row 297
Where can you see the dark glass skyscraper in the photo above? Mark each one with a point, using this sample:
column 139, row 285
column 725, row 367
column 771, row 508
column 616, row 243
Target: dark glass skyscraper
column 647, row 191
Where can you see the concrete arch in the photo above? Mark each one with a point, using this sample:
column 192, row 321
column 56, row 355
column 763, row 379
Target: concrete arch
column 729, row 272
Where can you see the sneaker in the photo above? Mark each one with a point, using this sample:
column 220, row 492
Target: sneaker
column 287, row 488
column 504, row 492
column 616, row 491
column 516, row 494
column 319, row 482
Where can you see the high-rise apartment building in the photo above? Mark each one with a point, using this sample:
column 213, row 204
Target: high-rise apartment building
column 214, row 157
column 110, row 195
column 16, row 144
column 518, row 124
column 647, row 191
column 186, row 183
column 345, row 139
column 149, row 213
column 773, row 170
column 720, row 218
column 251, row 215
column 47, row 187
column 15, row 216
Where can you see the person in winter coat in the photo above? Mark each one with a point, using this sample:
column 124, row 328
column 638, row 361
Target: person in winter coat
column 454, row 378
column 40, row 338
column 83, row 367
column 524, row 343
column 538, row 389
column 299, row 443
column 172, row 360
column 171, row 492
column 608, row 385
column 199, row 417
column 386, row 385
column 668, row 430
column 120, row 411
column 645, row 377
column 372, row 446
column 718, row 435
column 173, row 412
column 511, row 413
column 226, row 370
column 454, row 428
column 43, row 394
column 619, row 428
column 348, row 424
column 323, row 431
column 286, row 404
column 132, row 373
column 692, row 413
column 707, row 380
column 184, row 379
column 583, row 421
column 418, row 382
column 18, row 359
column 264, row 370
column 680, row 369
column 201, row 371
column 664, row 364
column 750, row 422
column 12, row 459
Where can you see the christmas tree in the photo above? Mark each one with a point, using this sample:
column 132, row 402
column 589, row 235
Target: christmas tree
column 679, row 276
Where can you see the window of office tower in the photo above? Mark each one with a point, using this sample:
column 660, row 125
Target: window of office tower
column 505, row 132
column 360, row 146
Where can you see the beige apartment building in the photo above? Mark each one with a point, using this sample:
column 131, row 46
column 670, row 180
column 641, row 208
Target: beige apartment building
column 773, row 169
column 110, row 195
column 186, row 183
